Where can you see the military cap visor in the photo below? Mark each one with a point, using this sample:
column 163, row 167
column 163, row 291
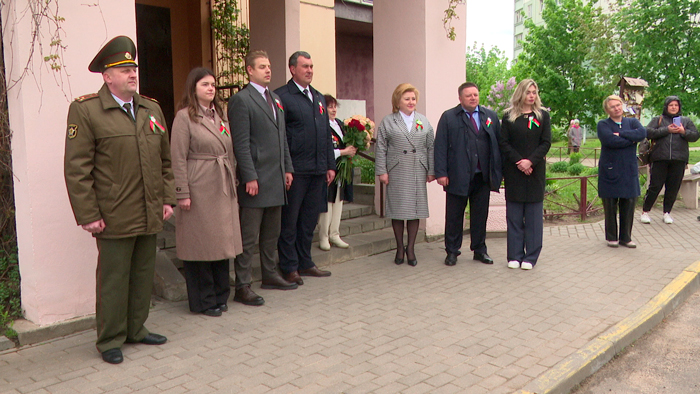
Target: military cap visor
column 118, row 52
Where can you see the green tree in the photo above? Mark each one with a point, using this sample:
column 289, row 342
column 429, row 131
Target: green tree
column 661, row 44
column 486, row 68
column 568, row 57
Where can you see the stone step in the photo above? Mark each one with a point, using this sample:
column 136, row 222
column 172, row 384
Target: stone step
column 363, row 194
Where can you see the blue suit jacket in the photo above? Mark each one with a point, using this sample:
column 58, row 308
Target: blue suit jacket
column 452, row 156
column 308, row 130
column 618, row 175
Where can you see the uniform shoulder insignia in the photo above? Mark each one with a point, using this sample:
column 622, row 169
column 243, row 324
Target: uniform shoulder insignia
column 149, row 98
column 86, row 97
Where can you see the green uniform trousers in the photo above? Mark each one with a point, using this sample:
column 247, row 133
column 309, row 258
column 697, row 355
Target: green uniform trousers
column 125, row 269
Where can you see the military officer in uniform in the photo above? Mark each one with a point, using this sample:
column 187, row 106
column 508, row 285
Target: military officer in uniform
column 121, row 188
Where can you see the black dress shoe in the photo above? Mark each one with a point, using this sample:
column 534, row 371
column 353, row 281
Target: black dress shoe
column 214, row 312
column 223, row 307
column 483, row 257
column 314, row 271
column 398, row 261
column 451, row 259
column 413, row 262
column 278, row 283
column 153, row 339
column 113, row 356
column 246, row 296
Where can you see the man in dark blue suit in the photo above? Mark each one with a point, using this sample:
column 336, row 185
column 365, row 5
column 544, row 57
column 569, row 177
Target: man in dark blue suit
column 468, row 166
column 311, row 149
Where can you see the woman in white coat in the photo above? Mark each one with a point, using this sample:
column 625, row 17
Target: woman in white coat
column 404, row 163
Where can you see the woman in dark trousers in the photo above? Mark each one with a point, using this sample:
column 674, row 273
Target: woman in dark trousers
column 618, row 175
column 669, row 157
column 526, row 137
column 208, row 230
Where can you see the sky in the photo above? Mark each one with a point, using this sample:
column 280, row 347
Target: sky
column 490, row 22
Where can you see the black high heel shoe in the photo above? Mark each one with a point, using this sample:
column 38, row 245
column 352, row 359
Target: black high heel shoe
column 413, row 262
column 399, row 261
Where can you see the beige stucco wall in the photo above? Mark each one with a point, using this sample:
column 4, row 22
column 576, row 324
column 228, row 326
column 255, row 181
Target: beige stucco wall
column 57, row 258
column 318, row 39
column 410, row 45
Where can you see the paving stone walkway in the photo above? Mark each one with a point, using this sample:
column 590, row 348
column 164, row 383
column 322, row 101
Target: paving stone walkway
column 374, row 327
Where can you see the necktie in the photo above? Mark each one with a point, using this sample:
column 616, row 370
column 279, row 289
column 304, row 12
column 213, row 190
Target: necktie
column 306, row 93
column 268, row 98
column 476, row 126
column 127, row 107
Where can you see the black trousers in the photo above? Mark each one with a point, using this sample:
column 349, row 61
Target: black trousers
column 207, row 283
column 626, row 207
column 525, row 226
column 478, row 199
column 668, row 173
column 306, row 199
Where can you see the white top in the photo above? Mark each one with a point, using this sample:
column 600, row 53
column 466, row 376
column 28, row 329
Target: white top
column 339, row 131
column 408, row 120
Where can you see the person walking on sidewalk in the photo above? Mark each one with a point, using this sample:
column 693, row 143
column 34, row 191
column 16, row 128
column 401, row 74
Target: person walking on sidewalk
column 618, row 175
column 526, row 137
column 265, row 167
column 329, row 222
column 670, row 134
column 121, row 188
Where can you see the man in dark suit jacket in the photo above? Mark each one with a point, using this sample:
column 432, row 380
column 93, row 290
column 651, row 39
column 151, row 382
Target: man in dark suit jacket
column 311, row 148
column 265, row 172
column 468, row 166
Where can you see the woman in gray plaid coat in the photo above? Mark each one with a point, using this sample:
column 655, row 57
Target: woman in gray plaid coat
column 404, row 163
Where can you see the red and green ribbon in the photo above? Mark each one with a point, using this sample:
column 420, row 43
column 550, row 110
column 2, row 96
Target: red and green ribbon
column 419, row 125
column 320, row 108
column 155, row 125
column 223, row 130
column 488, row 122
column 533, row 121
column 279, row 105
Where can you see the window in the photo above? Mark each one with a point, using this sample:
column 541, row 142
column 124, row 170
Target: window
column 518, row 17
column 529, row 11
column 518, row 38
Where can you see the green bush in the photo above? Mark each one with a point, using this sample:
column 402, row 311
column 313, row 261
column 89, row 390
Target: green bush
column 575, row 158
column 367, row 168
column 558, row 134
column 559, row 166
column 590, row 171
column 576, row 169
column 10, row 307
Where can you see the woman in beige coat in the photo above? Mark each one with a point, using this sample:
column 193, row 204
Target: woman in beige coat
column 207, row 229
column 404, row 163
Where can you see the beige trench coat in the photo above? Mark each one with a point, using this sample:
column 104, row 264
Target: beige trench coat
column 204, row 168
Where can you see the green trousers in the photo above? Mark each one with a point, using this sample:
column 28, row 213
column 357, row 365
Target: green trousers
column 125, row 269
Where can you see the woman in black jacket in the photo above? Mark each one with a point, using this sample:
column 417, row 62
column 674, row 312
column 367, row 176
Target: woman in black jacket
column 526, row 137
column 670, row 134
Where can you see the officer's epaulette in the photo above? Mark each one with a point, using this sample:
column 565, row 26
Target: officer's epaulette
column 152, row 99
column 86, row 97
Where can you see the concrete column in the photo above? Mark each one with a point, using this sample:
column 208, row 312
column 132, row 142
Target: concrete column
column 282, row 27
column 57, row 259
column 410, row 45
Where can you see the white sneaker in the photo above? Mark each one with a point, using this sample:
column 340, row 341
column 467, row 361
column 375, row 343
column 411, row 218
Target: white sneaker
column 513, row 264
column 667, row 218
column 645, row 218
column 526, row 266
column 323, row 244
column 339, row 243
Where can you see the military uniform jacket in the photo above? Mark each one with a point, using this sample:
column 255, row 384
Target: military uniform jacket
column 116, row 169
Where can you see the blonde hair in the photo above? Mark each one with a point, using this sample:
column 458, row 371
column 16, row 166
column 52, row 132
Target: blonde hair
column 518, row 97
column 399, row 92
column 609, row 99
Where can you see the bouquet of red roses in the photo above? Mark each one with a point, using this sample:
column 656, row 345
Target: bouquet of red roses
column 358, row 133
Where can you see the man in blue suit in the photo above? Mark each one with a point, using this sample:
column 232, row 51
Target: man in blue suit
column 311, row 149
column 468, row 166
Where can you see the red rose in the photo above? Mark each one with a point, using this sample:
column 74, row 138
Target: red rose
column 356, row 124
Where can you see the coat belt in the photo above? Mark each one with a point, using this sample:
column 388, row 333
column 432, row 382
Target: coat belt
column 225, row 166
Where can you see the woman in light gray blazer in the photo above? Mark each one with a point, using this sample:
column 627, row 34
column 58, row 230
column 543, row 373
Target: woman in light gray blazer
column 404, row 163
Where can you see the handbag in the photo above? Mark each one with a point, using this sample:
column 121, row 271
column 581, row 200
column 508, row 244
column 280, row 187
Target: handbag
column 644, row 149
